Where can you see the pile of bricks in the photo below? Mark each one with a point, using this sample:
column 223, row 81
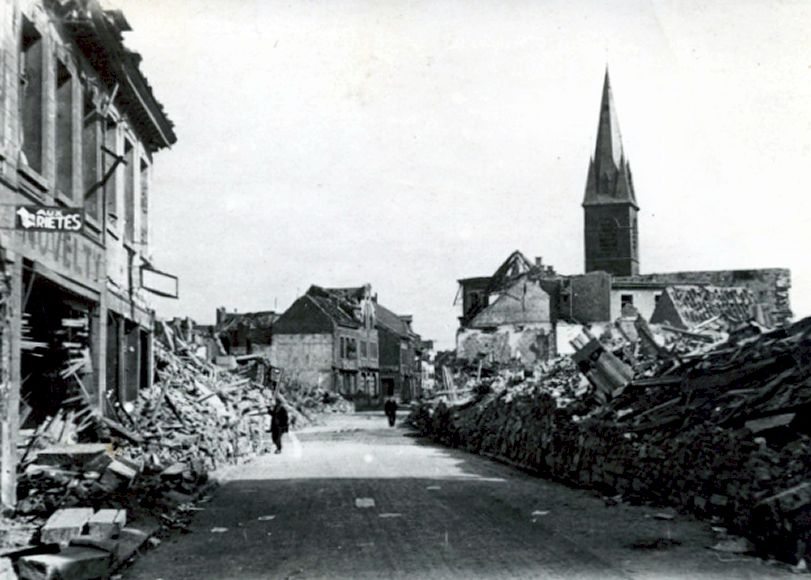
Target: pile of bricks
column 722, row 434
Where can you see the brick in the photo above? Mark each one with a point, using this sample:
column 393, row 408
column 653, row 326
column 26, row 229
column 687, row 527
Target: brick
column 64, row 525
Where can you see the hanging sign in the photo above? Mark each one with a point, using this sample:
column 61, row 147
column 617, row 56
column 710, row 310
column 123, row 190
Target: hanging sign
column 37, row 218
column 159, row 283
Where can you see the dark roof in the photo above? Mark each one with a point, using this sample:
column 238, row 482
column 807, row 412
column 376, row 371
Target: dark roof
column 263, row 319
column 390, row 320
column 478, row 280
column 98, row 34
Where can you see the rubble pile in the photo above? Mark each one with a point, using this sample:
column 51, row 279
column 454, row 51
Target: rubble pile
column 721, row 430
column 151, row 457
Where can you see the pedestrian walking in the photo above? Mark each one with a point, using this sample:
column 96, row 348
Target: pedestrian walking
column 391, row 411
column 278, row 424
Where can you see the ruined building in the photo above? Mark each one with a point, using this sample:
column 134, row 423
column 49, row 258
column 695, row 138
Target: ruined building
column 527, row 313
column 343, row 340
column 79, row 126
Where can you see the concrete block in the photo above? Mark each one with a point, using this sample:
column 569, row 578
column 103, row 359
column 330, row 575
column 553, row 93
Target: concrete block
column 105, row 524
column 72, row 563
column 7, row 569
column 65, row 524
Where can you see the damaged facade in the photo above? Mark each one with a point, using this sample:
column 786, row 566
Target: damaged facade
column 341, row 339
column 527, row 313
column 79, row 126
column 244, row 333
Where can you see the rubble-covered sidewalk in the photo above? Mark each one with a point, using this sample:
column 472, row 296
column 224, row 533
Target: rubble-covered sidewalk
column 94, row 488
column 719, row 428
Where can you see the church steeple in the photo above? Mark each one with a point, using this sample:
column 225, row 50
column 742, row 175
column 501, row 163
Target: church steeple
column 609, row 178
column 610, row 201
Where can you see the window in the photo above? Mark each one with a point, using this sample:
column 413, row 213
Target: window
column 129, row 191
column 31, row 55
column 363, row 349
column 656, row 298
column 343, row 347
column 608, row 236
column 144, row 204
column 111, row 185
column 373, row 350
column 351, row 348
column 64, row 130
column 90, row 157
column 626, row 299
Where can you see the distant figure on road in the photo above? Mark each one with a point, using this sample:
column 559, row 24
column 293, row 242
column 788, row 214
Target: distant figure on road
column 278, row 424
column 391, row 411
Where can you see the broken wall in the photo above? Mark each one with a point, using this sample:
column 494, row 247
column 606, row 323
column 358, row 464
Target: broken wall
column 305, row 358
column 527, row 344
column 589, row 298
column 643, row 299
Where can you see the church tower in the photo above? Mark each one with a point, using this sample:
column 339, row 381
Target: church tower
column 611, row 231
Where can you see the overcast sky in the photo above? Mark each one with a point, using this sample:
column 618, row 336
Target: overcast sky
column 409, row 144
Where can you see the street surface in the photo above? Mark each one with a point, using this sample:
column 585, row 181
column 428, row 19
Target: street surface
column 356, row 499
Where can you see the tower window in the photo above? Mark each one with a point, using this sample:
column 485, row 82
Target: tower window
column 608, row 236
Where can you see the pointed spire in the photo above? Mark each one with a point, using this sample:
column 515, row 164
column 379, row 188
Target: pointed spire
column 609, row 142
column 609, row 178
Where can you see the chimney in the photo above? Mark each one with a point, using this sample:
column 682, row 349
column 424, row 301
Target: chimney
column 539, row 261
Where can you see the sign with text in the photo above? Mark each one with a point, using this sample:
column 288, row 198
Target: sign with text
column 37, row 218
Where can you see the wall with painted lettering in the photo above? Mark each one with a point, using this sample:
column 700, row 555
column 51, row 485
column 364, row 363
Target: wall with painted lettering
column 69, row 254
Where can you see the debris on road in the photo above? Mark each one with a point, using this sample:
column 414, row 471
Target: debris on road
column 150, row 457
column 713, row 420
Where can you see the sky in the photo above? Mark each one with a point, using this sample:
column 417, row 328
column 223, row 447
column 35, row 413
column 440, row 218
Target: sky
column 408, row 144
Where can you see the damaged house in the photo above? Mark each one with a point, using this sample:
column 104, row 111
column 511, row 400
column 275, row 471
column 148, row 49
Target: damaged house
column 526, row 313
column 242, row 333
column 400, row 368
column 79, row 126
column 328, row 338
column 343, row 340
column 510, row 315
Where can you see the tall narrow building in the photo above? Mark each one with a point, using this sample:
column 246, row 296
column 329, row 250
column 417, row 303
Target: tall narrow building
column 611, row 229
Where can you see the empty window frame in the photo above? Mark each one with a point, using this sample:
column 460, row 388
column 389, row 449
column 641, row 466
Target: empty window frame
column 364, row 349
column 144, row 183
column 31, row 97
column 111, row 185
column 91, row 128
column 129, row 191
column 64, row 130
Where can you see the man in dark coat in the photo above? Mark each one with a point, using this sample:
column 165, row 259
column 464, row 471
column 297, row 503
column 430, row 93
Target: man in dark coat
column 391, row 411
column 278, row 424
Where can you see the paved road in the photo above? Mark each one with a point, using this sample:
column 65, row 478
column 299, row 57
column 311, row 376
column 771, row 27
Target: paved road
column 356, row 499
